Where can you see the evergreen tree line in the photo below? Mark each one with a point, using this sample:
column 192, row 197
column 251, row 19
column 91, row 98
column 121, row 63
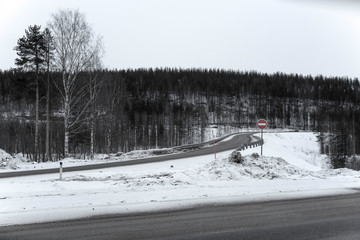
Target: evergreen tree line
column 149, row 108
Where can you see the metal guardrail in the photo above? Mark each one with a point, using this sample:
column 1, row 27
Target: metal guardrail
column 256, row 143
column 198, row 145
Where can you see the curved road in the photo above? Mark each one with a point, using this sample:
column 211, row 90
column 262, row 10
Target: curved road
column 234, row 143
column 336, row 217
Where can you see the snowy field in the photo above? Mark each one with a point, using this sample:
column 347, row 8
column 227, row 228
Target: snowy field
column 291, row 167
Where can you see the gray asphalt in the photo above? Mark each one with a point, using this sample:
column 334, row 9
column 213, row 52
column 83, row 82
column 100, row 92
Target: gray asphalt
column 235, row 142
column 336, row 217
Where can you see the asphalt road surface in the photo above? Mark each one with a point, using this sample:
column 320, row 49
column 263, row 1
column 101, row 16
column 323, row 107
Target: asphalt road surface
column 336, row 217
column 234, row 143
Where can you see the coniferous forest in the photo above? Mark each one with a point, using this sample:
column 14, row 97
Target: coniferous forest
column 154, row 108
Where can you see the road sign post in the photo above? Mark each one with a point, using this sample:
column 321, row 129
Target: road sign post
column 262, row 142
column 262, row 124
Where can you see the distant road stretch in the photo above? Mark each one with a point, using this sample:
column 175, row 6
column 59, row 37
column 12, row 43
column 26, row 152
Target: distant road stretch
column 235, row 142
column 336, row 217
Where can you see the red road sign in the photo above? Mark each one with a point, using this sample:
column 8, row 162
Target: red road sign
column 262, row 124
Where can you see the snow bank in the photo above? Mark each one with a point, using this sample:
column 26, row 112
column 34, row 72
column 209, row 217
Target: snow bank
column 217, row 170
column 256, row 168
column 7, row 161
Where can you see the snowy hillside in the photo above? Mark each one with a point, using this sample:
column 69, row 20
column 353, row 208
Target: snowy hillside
column 299, row 149
column 291, row 167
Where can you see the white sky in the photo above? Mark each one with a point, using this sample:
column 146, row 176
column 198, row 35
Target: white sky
column 292, row 36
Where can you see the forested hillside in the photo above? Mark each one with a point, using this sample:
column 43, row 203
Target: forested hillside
column 148, row 108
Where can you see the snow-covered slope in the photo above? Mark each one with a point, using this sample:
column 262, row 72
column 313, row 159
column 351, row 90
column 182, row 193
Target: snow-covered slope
column 291, row 167
column 299, row 149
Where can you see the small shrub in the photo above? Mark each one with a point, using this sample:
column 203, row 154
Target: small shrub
column 353, row 163
column 236, row 157
column 255, row 155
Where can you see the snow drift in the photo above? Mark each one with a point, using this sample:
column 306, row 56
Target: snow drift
column 7, row 161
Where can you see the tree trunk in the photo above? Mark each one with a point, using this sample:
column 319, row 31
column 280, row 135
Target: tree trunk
column 36, row 157
column 92, row 115
column 47, row 150
column 108, row 142
column 92, row 136
column 353, row 135
column 66, row 143
column 66, row 125
column 156, row 136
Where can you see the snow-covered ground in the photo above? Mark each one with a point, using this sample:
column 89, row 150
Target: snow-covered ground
column 291, row 167
column 20, row 163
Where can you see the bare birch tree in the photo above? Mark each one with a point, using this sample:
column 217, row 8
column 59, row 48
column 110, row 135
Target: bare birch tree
column 76, row 47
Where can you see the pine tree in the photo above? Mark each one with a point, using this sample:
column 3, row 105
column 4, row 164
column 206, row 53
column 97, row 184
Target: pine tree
column 31, row 51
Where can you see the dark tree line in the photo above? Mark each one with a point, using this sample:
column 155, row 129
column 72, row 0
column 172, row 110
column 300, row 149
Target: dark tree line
column 148, row 108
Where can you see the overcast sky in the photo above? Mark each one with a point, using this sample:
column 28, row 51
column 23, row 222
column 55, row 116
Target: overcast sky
column 291, row 36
